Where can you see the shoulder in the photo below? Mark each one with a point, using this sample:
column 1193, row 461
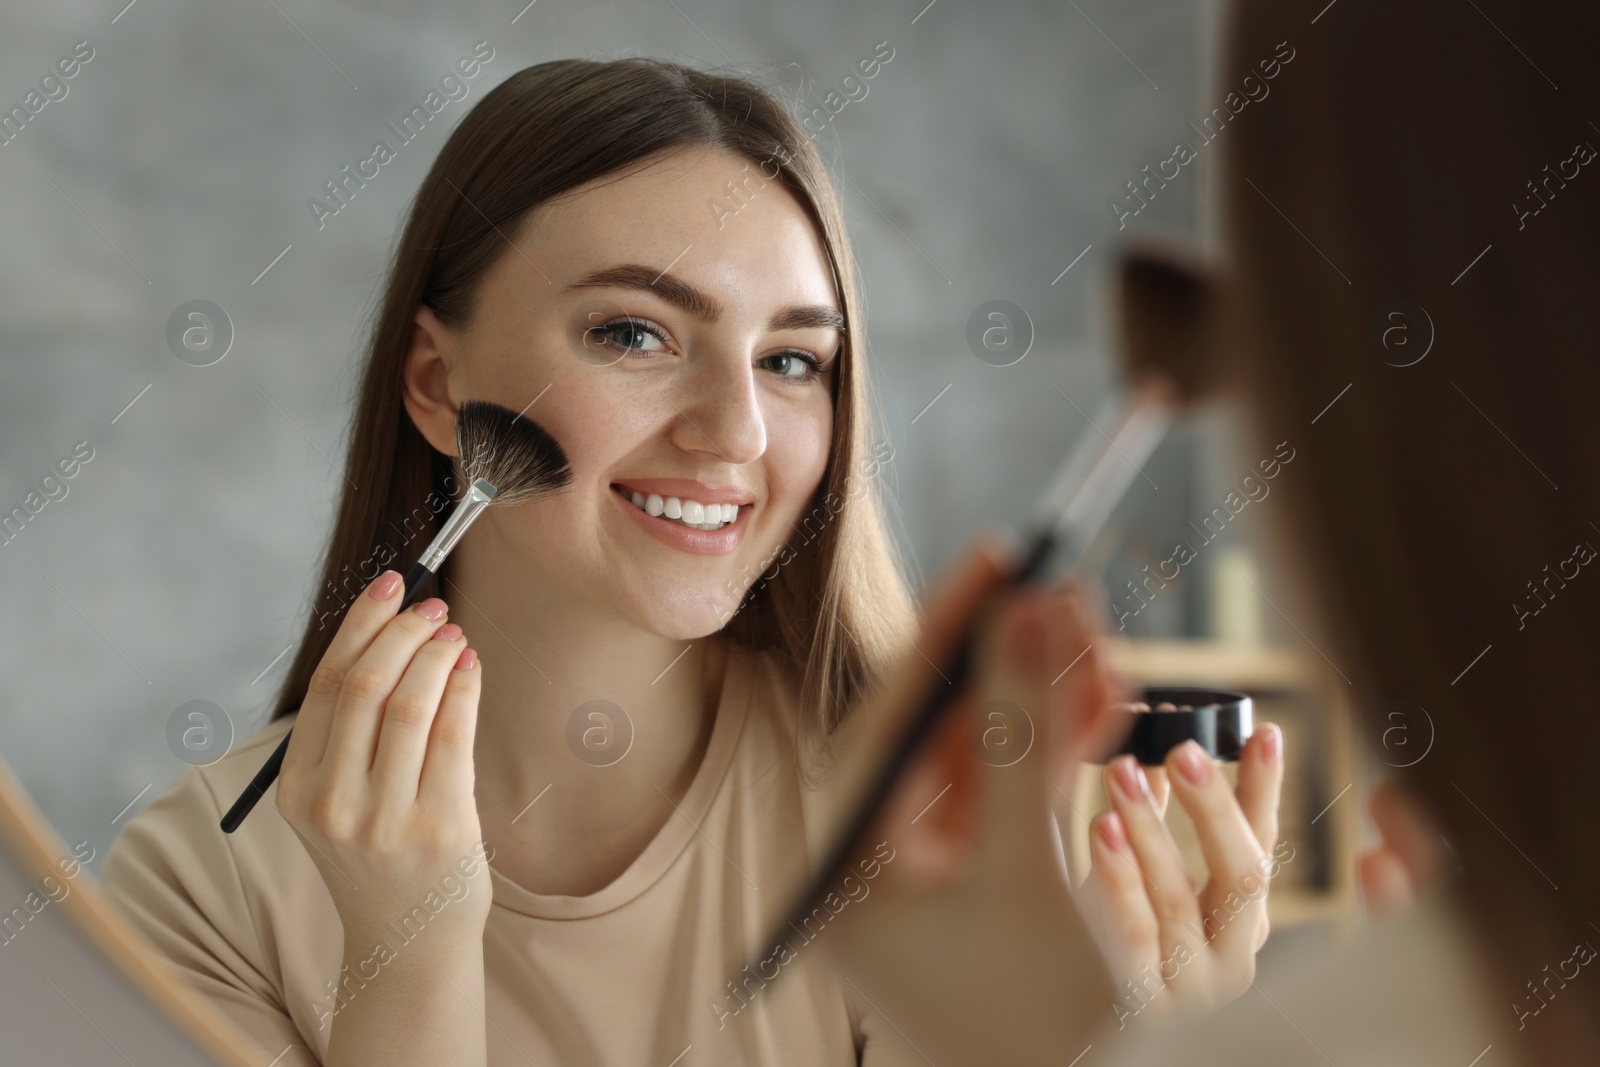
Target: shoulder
column 245, row 917
column 777, row 701
column 774, row 687
column 188, row 813
column 772, row 740
column 179, row 877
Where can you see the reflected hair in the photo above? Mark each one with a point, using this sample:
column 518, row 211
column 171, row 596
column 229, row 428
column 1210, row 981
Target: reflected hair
column 1419, row 524
column 838, row 611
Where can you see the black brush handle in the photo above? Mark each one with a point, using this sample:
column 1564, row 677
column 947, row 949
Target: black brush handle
column 935, row 702
column 415, row 579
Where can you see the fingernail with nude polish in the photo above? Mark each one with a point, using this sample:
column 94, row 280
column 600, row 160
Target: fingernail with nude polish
column 1130, row 778
column 1111, row 831
column 433, row 608
column 384, row 586
column 1193, row 763
column 1026, row 637
column 468, row 660
column 448, row 632
column 1271, row 744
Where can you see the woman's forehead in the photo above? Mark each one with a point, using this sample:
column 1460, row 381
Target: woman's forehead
column 707, row 215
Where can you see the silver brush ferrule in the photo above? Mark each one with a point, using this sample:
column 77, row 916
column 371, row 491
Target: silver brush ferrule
column 1097, row 473
column 477, row 497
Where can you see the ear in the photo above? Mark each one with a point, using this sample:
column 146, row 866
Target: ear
column 425, row 387
column 1167, row 313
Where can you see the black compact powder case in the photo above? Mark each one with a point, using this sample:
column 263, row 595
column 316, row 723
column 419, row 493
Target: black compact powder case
column 1218, row 720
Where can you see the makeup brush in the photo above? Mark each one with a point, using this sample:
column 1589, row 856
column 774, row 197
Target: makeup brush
column 1165, row 340
column 505, row 459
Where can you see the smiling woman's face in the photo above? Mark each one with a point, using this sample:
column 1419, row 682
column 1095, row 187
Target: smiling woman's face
column 664, row 342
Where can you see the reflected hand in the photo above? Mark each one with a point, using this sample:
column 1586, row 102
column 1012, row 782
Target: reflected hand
column 971, row 942
column 1409, row 859
column 1170, row 947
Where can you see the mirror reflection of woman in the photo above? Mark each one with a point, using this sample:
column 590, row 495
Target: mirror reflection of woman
column 543, row 815
column 1444, row 492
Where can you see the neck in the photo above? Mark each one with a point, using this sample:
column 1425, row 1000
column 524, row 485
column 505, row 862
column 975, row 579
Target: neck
column 573, row 823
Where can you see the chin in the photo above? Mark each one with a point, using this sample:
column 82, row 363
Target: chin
column 687, row 613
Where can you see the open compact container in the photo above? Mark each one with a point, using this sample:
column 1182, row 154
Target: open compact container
column 1160, row 718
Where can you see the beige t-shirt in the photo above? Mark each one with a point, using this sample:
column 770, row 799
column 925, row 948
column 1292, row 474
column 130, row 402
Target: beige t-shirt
column 647, row 971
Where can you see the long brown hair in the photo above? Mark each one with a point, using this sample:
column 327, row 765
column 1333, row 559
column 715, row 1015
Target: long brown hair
column 1424, row 158
column 832, row 605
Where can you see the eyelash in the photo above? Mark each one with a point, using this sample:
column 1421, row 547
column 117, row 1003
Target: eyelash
column 818, row 367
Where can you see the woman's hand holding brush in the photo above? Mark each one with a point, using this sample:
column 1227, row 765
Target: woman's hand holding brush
column 972, row 921
column 378, row 783
column 974, row 918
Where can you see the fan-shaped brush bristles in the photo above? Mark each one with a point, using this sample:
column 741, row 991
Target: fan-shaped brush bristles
column 1166, row 307
column 509, row 451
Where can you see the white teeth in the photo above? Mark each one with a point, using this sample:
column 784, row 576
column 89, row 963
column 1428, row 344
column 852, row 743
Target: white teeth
column 690, row 513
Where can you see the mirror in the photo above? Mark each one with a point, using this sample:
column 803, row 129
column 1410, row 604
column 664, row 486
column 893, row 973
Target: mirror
column 201, row 204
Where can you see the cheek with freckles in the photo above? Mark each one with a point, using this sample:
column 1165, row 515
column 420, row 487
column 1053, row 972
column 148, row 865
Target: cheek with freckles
column 595, row 426
column 597, row 431
column 798, row 443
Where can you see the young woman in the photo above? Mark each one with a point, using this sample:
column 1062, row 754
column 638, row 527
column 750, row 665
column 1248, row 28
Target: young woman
column 1424, row 331
column 566, row 851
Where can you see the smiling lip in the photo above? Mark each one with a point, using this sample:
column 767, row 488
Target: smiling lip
column 686, row 538
column 685, row 489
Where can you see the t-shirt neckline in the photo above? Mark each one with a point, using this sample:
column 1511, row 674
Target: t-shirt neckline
column 675, row 834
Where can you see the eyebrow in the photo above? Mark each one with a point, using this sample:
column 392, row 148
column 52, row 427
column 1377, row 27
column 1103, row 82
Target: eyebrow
column 682, row 295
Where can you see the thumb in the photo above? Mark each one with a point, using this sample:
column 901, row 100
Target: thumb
column 1011, row 686
column 1086, row 691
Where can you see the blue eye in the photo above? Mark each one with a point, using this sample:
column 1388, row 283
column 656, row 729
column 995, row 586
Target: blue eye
column 811, row 365
column 634, row 333
column 629, row 336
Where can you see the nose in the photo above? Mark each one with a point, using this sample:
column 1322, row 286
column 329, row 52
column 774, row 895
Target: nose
column 719, row 411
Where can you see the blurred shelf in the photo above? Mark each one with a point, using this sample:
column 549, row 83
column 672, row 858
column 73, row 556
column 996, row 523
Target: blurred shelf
column 1289, row 908
column 1214, row 665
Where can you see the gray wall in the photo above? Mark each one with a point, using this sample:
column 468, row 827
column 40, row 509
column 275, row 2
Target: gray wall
column 178, row 167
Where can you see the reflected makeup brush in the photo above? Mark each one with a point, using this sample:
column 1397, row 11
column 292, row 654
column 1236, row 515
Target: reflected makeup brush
column 505, row 459
column 1165, row 342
